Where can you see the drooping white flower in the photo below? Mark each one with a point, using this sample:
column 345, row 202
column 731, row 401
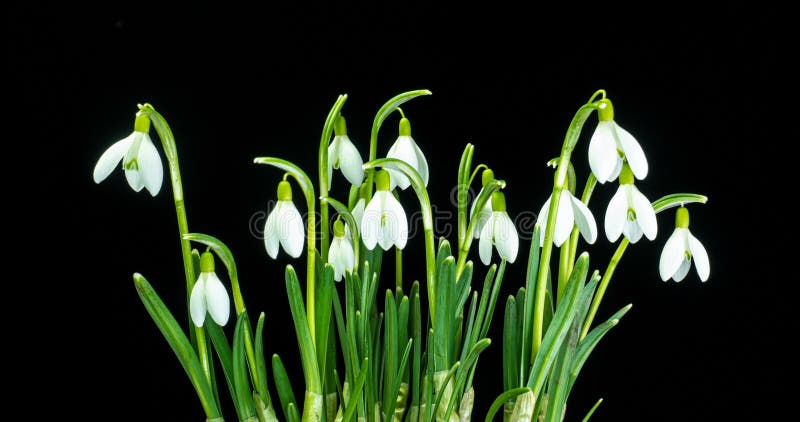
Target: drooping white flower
column 486, row 212
column 384, row 220
column 139, row 157
column 499, row 231
column 342, row 154
column 340, row 254
column 405, row 149
column 629, row 212
column 611, row 145
column 571, row 212
column 358, row 214
column 209, row 295
column 284, row 225
column 680, row 250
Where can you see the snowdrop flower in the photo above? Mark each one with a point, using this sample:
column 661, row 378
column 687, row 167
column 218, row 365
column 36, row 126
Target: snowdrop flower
column 208, row 294
column 571, row 212
column 342, row 154
column 499, row 231
column 676, row 258
column 611, row 145
column 484, row 214
column 384, row 220
column 630, row 212
column 139, row 157
column 340, row 254
column 405, row 149
column 284, row 225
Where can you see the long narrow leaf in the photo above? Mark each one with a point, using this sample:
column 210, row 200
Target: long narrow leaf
column 284, row 386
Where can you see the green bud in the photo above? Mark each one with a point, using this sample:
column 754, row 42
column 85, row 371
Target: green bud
column 207, row 262
column 340, row 126
column 605, row 111
column 626, row 175
column 405, row 127
column 486, row 177
column 363, row 190
column 142, row 123
column 338, row 228
column 284, row 191
column 498, row 201
column 682, row 218
column 382, row 180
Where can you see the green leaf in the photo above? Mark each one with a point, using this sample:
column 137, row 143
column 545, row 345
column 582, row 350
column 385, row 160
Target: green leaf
column 323, row 302
column 307, row 352
column 590, row 342
column 677, row 199
column 504, row 398
column 284, row 387
column 225, row 356
column 359, row 385
column 444, row 315
column 464, row 169
column 557, row 331
column 591, row 411
column 292, row 414
column 395, row 386
column 510, row 352
column 527, row 318
column 241, row 379
column 261, row 362
column 390, row 348
column 179, row 343
column 498, row 280
column 416, row 332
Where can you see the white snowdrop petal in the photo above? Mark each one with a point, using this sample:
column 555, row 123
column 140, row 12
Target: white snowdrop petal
column 603, row 151
column 633, row 152
column 403, row 149
column 422, row 163
column 333, row 155
column 290, row 226
column 584, row 220
column 541, row 219
column 485, row 242
column 398, row 221
column 110, row 159
column 683, row 269
column 219, row 305
column 616, row 214
column 482, row 217
column 134, row 178
column 505, row 237
column 632, row 231
column 700, row 257
column 350, row 162
column 197, row 301
column 370, row 222
column 673, row 254
column 645, row 215
column 150, row 168
column 565, row 220
column 271, row 232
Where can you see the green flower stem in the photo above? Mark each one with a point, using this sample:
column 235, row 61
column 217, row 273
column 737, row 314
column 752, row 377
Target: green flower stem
column 323, row 171
column 664, row 203
column 398, row 268
column 484, row 195
column 382, row 114
column 427, row 218
column 601, row 289
column 563, row 270
column 171, row 152
column 308, row 191
column 591, row 182
column 559, row 184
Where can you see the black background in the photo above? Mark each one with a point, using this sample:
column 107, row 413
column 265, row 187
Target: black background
column 698, row 89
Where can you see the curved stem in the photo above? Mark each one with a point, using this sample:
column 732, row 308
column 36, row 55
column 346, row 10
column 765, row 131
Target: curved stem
column 427, row 219
column 601, row 289
column 308, row 191
column 559, row 184
column 171, row 152
column 383, row 112
column 324, row 140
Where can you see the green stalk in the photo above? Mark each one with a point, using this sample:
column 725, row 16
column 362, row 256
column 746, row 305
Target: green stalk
column 427, row 218
column 323, row 171
column 559, row 184
column 398, row 268
column 171, row 152
column 385, row 110
column 308, row 191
